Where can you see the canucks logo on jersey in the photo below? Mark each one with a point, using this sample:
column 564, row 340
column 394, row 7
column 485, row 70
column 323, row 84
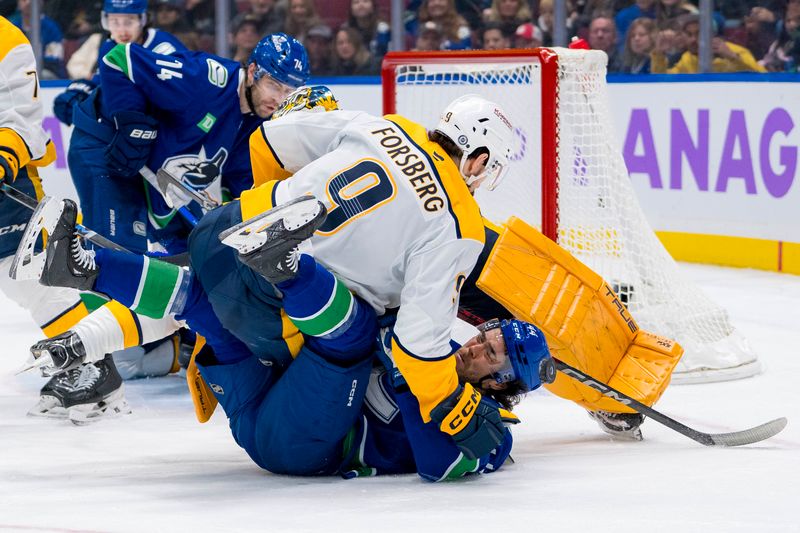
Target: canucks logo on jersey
column 198, row 171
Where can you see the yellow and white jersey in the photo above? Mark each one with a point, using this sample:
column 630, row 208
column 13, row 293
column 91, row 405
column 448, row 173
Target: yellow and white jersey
column 20, row 108
column 402, row 231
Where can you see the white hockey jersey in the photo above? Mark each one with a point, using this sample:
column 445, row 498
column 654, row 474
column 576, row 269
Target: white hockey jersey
column 22, row 139
column 402, row 230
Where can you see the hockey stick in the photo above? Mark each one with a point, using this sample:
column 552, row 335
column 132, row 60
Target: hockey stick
column 736, row 438
column 88, row 234
column 152, row 179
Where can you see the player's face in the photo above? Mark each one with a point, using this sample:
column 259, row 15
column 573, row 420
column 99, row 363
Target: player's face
column 124, row 27
column 267, row 94
column 481, row 356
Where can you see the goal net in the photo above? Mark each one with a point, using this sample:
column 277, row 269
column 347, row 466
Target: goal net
column 569, row 180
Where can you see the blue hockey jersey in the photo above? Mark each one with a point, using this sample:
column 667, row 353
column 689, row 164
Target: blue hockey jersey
column 203, row 135
column 391, row 438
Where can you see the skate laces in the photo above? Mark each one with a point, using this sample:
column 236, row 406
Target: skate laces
column 83, row 257
column 88, row 377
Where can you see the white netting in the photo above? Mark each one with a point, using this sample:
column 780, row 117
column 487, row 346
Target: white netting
column 599, row 219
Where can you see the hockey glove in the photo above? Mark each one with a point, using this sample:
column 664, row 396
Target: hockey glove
column 76, row 92
column 9, row 165
column 474, row 422
column 132, row 143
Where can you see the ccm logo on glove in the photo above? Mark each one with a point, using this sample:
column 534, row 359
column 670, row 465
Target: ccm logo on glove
column 462, row 413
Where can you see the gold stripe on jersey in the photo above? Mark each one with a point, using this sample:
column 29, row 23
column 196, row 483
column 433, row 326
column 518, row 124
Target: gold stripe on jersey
column 263, row 161
column 291, row 335
column 255, row 201
column 36, row 180
column 462, row 205
column 128, row 323
column 12, row 37
column 65, row 320
column 431, row 381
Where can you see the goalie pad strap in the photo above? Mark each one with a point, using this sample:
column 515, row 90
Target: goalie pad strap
column 585, row 324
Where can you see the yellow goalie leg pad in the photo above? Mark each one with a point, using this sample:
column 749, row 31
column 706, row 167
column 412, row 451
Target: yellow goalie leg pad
column 585, row 324
column 202, row 397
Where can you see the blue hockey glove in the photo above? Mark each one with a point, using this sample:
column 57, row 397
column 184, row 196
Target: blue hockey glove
column 76, row 92
column 132, row 143
column 474, row 422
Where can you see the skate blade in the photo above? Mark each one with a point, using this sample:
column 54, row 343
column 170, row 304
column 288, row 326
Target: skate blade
column 37, row 362
column 27, row 264
column 113, row 406
column 249, row 235
column 48, row 407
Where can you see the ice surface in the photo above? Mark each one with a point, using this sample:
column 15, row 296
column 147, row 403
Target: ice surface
column 159, row 470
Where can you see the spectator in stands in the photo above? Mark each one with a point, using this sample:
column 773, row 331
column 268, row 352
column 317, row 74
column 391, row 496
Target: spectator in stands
column 545, row 21
column 784, row 54
column 374, row 31
column 671, row 41
column 528, row 35
column 623, row 19
column 302, row 16
column 495, row 36
column 169, row 17
column 603, row 36
column 429, row 38
column 638, row 46
column 244, row 38
column 728, row 57
column 320, row 53
column 668, row 10
column 350, row 56
column 78, row 18
column 7, row 7
column 510, row 13
column 52, row 39
column 200, row 15
column 454, row 27
column 270, row 13
column 761, row 30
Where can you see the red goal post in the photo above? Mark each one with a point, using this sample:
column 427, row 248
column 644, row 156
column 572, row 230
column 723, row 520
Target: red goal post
column 568, row 178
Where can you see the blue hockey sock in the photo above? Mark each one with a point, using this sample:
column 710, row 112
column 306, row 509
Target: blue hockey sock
column 146, row 286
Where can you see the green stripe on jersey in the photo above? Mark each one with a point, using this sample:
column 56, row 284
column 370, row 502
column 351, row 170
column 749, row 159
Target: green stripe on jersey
column 119, row 59
column 157, row 288
column 332, row 315
column 461, row 467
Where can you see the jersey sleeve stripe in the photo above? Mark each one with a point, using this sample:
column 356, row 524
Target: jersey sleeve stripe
column 119, row 58
column 66, row 319
column 271, row 149
column 409, row 353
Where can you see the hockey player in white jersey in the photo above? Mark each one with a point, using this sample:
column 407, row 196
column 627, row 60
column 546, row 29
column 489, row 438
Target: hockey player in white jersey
column 24, row 147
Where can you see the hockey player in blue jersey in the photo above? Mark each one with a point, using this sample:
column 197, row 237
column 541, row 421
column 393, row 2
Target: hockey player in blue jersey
column 191, row 113
column 334, row 409
column 112, row 205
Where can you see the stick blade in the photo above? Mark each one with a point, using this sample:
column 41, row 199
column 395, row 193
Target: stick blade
column 750, row 436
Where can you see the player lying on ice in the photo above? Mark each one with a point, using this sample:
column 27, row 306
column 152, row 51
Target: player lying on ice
column 335, row 399
column 419, row 266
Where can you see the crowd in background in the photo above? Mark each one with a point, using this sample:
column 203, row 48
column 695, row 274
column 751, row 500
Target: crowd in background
column 350, row 37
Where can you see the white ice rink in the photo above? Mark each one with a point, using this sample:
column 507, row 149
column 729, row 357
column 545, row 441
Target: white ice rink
column 159, row 470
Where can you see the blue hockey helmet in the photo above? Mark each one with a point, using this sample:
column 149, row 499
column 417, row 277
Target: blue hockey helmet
column 123, row 7
column 283, row 57
column 528, row 357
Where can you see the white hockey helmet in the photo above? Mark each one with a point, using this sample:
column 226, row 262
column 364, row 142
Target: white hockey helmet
column 473, row 122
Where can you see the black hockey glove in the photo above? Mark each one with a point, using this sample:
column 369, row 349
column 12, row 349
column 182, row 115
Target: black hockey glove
column 474, row 422
column 132, row 143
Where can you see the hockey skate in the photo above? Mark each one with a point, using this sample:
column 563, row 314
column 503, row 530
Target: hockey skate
column 268, row 243
column 67, row 263
column 621, row 426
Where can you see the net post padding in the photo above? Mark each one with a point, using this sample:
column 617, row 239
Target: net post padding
column 569, row 179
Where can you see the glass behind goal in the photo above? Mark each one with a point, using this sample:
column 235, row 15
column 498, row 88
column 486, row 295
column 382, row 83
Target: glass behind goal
column 568, row 179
